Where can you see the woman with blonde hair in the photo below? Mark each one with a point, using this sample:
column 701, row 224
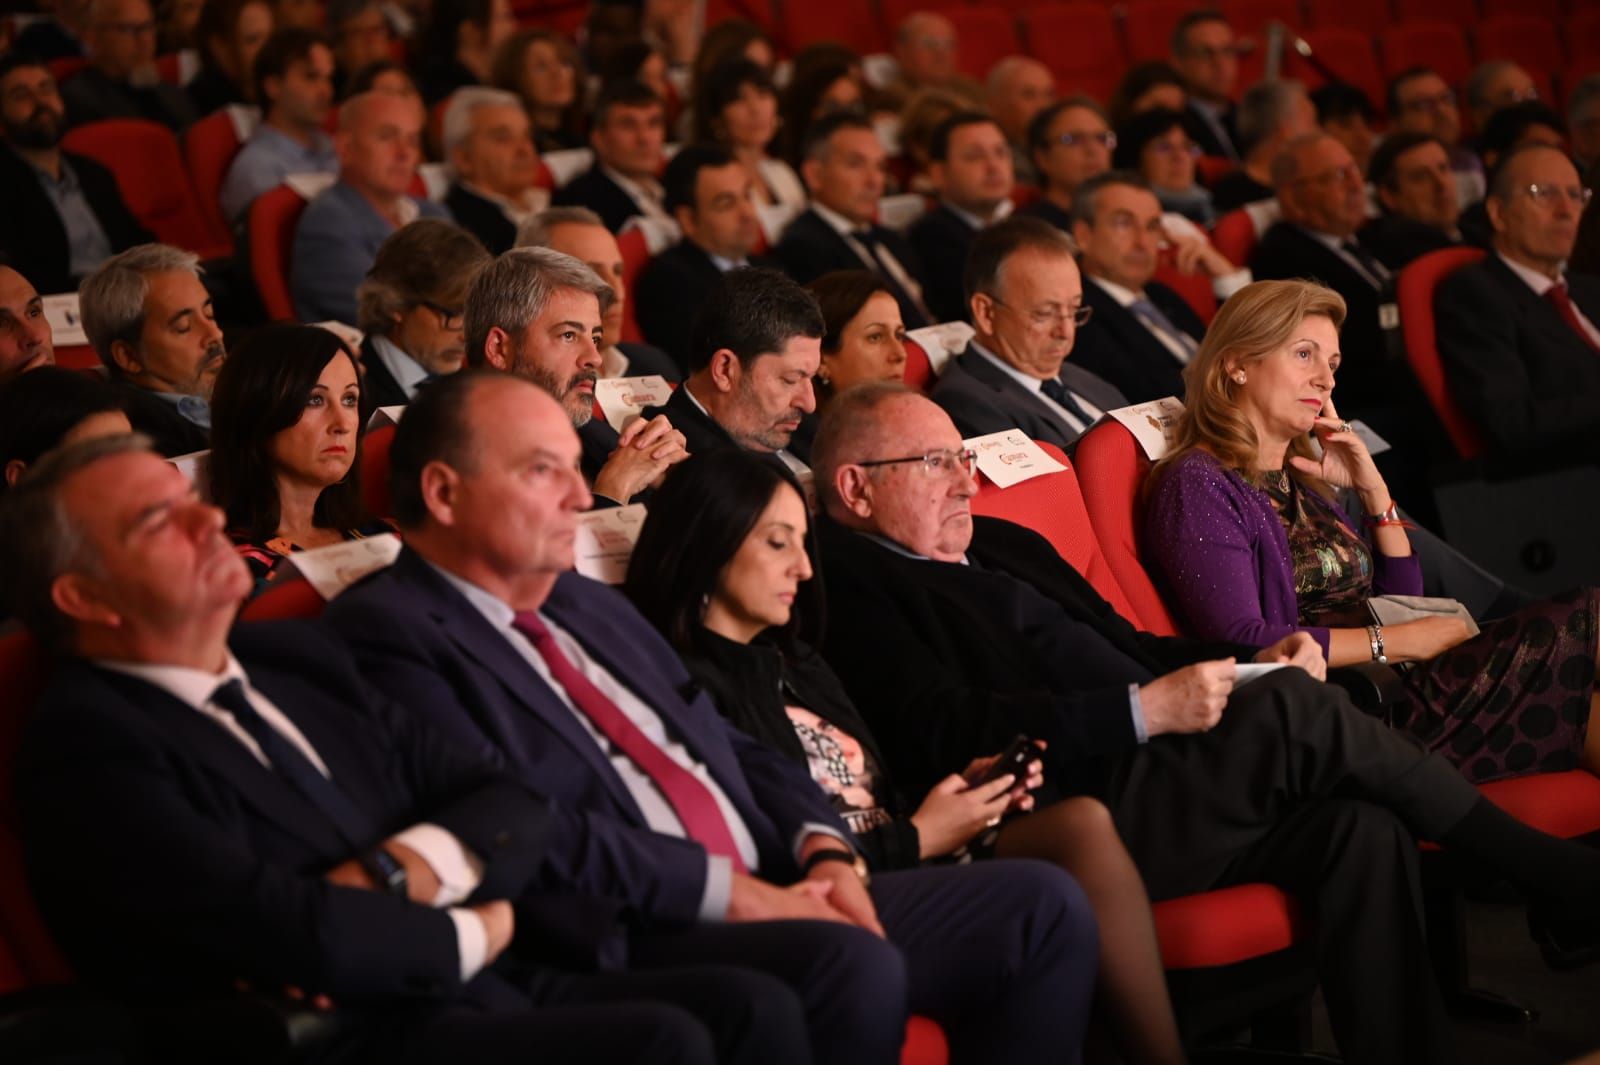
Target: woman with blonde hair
column 1242, row 532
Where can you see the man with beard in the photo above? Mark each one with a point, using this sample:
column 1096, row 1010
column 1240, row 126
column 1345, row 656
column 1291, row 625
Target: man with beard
column 149, row 319
column 63, row 214
column 538, row 314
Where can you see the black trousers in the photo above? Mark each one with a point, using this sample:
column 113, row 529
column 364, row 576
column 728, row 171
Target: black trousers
column 1002, row 954
column 1298, row 788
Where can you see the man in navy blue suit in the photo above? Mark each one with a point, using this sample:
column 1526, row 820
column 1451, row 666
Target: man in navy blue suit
column 737, row 856
column 201, row 809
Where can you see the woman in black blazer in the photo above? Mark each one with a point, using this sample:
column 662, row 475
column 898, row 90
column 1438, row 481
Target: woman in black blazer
column 721, row 567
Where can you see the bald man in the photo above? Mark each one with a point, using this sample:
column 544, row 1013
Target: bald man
column 1018, row 89
column 379, row 144
column 928, row 53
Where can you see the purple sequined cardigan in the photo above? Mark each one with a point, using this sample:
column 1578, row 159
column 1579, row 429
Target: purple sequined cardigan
column 1220, row 555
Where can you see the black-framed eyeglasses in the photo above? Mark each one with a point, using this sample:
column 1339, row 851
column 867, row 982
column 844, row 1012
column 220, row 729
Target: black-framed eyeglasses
column 941, row 461
column 451, row 318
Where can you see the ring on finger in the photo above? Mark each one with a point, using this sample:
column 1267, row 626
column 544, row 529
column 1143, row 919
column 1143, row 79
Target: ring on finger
column 992, row 822
column 1346, row 427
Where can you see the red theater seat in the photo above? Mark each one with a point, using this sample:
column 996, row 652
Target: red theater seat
column 1148, row 26
column 1414, row 294
column 1226, row 926
column 1250, row 17
column 851, row 24
column 1235, row 236
column 375, row 470
column 270, row 227
column 1079, row 43
column 208, row 148
column 1368, row 16
column 1530, row 40
column 1437, row 44
column 918, row 372
column 635, row 254
column 291, row 597
column 987, row 36
column 1349, row 54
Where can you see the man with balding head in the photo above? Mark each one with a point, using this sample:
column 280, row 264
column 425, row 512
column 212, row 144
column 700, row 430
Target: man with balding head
column 121, row 80
column 1019, row 88
column 927, row 51
column 952, row 632
column 379, row 143
column 1517, row 334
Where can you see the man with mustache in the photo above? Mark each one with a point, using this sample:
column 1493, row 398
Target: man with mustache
column 539, row 315
column 150, row 320
column 64, row 215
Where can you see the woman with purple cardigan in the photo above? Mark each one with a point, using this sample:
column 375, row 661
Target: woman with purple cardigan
column 1242, row 534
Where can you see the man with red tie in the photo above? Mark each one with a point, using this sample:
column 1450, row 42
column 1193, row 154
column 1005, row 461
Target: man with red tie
column 718, row 847
column 1519, row 337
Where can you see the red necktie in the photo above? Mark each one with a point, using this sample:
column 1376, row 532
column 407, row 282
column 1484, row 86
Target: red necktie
column 691, row 800
column 1557, row 294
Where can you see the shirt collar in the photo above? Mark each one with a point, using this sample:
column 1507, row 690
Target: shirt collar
column 194, row 409
column 1032, row 384
column 973, row 221
column 1539, row 282
column 533, row 201
column 724, row 265
column 1123, row 296
column 192, row 687
column 67, row 182
column 495, row 610
column 407, row 372
column 641, row 191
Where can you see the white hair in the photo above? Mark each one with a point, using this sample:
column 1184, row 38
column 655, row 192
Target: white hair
column 464, row 103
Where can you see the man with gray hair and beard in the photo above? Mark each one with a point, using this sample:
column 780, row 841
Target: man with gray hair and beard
column 538, row 314
column 149, row 318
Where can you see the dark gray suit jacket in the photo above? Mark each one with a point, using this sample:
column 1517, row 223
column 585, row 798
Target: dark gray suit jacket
column 980, row 398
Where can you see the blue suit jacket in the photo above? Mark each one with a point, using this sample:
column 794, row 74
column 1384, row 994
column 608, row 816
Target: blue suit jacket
column 334, row 245
column 420, row 640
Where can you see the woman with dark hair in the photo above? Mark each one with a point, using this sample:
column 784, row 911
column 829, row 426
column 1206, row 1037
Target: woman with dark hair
column 833, row 84
column 542, row 68
column 385, row 75
column 723, row 568
column 1157, row 146
column 1147, row 87
column 733, row 38
column 459, row 44
column 228, row 34
column 45, row 408
column 286, row 445
column 738, row 108
column 863, row 338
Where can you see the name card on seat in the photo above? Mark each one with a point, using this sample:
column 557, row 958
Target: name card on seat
column 1010, row 457
column 332, row 569
column 385, row 416
column 622, row 398
column 605, row 542
column 942, row 342
column 1152, row 424
column 66, row 324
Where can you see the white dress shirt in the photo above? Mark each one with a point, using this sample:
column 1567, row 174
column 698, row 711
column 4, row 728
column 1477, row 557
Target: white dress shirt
column 1542, row 283
column 407, row 372
column 1125, row 298
column 1036, row 386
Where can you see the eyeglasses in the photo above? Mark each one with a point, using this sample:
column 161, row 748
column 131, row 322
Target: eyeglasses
column 449, row 317
column 1338, row 173
column 941, row 461
column 1105, row 138
column 1436, row 102
column 1545, row 195
column 1049, row 316
column 1185, row 147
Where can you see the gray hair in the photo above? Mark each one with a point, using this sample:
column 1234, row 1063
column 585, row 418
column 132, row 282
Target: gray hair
column 430, row 259
column 464, row 103
column 535, row 232
column 512, row 291
column 844, row 420
column 1084, row 200
column 111, row 300
column 1264, row 108
column 39, row 541
column 1582, row 95
column 995, row 246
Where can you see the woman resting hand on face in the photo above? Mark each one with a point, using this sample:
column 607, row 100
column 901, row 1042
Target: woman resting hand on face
column 722, row 567
column 1242, row 532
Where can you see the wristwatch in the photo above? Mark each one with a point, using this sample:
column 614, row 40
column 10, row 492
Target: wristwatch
column 385, row 870
column 838, row 854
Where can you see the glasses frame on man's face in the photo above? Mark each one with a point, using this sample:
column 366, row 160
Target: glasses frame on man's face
column 1046, row 317
column 1544, row 195
column 940, row 460
column 451, row 319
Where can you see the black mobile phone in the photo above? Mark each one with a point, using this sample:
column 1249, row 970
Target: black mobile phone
column 1014, row 759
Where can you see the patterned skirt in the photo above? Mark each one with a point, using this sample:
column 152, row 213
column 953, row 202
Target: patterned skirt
column 1514, row 699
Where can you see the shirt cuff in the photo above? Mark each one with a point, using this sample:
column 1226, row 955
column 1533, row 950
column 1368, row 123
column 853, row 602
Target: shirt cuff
column 719, row 889
column 811, row 828
column 472, row 941
column 1140, row 732
column 1226, row 285
column 458, row 869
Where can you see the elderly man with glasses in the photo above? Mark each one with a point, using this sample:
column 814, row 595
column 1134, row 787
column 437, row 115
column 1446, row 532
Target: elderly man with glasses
column 1517, row 333
column 121, row 80
column 1026, row 299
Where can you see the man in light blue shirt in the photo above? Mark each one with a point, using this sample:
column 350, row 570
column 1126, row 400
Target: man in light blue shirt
column 294, row 77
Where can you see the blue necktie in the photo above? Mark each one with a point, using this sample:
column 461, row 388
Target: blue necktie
column 1156, row 321
column 352, row 825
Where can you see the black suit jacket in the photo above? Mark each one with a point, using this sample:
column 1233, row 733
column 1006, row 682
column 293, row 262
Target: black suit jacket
column 31, row 232
column 1365, row 376
column 941, row 239
column 170, row 432
column 164, row 855
column 1206, row 138
column 982, row 399
column 90, row 96
column 1050, row 212
column 946, row 661
column 1396, row 240
column 669, row 293
column 810, row 248
column 378, row 386
column 482, row 218
column 702, row 433
column 594, row 190
column 1117, row 346
column 1237, row 189
column 1513, row 363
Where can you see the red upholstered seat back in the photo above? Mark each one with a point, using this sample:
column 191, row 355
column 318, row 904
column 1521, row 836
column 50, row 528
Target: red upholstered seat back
column 1111, row 471
column 150, row 174
column 290, row 598
column 375, row 470
column 1235, row 236
column 271, row 225
column 919, row 369
column 1414, row 293
column 1052, row 506
column 635, row 254
column 209, row 147
column 1194, row 287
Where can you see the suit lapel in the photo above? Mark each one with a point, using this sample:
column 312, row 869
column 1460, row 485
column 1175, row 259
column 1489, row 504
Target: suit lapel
column 1033, row 415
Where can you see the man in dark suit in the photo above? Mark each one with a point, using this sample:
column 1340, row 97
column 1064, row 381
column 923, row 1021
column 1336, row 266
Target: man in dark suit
column 488, row 142
column 628, row 135
column 560, row 680
column 843, row 171
column 121, row 80
column 708, row 194
column 1206, row 56
column 411, row 306
column 1027, row 306
column 971, row 168
column 293, row 831
column 1417, row 191
column 64, row 215
column 1280, row 779
column 149, row 319
column 1142, row 334
column 1070, row 142
column 1516, row 334
column 26, row 339
column 555, row 343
